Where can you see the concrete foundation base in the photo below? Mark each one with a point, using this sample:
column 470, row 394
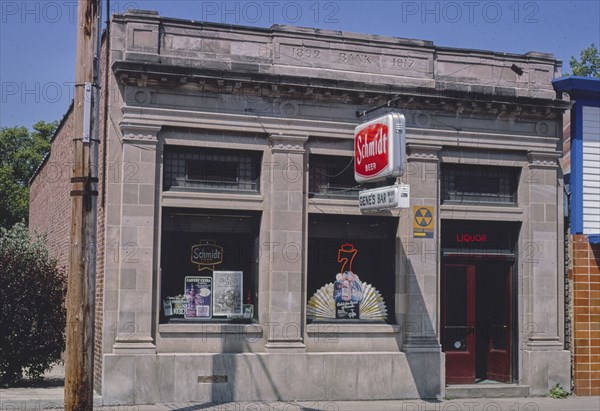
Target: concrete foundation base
column 542, row 370
column 147, row 379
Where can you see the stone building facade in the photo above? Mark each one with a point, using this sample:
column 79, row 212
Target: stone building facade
column 242, row 138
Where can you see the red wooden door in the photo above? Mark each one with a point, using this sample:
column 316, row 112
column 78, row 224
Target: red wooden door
column 458, row 322
column 499, row 344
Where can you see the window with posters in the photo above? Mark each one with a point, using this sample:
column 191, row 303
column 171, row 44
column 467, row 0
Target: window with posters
column 351, row 268
column 209, row 265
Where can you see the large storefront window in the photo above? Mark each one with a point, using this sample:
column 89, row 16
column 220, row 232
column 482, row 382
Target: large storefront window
column 209, row 266
column 472, row 184
column 351, row 270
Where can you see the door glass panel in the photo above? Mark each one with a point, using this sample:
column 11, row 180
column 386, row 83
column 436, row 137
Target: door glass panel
column 499, row 336
column 456, row 324
column 492, row 305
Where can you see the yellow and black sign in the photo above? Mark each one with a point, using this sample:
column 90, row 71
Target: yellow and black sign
column 423, row 221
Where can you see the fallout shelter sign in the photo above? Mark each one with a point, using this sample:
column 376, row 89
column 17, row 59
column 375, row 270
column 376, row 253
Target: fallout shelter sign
column 423, row 221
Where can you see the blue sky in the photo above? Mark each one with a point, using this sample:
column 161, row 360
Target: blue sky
column 37, row 38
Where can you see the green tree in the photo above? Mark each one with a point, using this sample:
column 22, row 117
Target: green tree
column 21, row 152
column 32, row 310
column 589, row 65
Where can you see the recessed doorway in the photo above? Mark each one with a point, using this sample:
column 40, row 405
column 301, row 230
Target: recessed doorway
column 477, row 326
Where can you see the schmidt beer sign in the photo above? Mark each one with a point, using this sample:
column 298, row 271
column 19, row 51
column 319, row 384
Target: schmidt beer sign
column 380, row 148
column 207, row 254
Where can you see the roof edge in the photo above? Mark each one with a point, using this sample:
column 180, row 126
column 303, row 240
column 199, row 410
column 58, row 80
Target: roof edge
column 47, row 155
column 577, row 85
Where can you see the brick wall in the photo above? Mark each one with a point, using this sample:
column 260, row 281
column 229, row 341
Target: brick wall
column 100, row 238
column 49, row 201
column 50, row 214
column 586, row 315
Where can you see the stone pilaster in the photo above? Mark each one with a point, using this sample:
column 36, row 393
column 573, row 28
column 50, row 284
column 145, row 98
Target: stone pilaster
column 286, row 249
column 420, row 255
column 137, row 240
column 545, row 362
column 419, row 268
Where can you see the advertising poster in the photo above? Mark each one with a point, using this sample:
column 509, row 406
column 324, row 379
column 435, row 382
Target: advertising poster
column 347, row 293
column 198, row 297
column 227, row 293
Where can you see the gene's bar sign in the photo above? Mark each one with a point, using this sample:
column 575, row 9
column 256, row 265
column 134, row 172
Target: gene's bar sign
column 380, row 148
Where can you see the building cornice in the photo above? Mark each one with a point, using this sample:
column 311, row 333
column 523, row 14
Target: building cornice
column 444, row 96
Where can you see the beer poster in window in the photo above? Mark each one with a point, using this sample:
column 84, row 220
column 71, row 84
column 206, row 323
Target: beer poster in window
column 347, row 288
column 347, row 293
column 348, row 298
column 198, row 297
column 227, row 293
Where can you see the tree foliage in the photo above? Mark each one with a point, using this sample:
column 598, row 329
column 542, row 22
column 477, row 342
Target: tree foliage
column 589, row 63
column 21, row 152
column 32, row 311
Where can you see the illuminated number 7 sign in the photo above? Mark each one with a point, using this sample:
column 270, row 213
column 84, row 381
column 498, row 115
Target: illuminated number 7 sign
column 346, row 254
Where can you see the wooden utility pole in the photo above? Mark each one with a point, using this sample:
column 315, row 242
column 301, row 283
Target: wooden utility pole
column 79, row 356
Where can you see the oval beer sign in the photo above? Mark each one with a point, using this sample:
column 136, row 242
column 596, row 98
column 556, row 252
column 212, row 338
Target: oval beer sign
column 379, row 148
column 371, row 150
column 206, row 255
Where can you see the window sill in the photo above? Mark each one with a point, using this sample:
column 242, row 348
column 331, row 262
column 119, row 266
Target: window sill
column 208, row 328
column 250, row 201
column 318, row 205
column 494, row 212
column 345, row 328
column 503, row 205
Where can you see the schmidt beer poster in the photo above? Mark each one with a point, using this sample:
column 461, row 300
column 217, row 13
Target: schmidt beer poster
column 227, row 293
column 198, row 297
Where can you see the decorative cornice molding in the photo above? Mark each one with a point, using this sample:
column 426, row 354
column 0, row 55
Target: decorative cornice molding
column 543, row 160
column 286, row 143
column 139, row 133
column 421, row 152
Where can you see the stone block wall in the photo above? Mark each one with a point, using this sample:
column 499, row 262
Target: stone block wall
column 586, row 315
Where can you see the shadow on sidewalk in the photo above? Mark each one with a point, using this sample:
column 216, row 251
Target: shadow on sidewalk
column 55, row 377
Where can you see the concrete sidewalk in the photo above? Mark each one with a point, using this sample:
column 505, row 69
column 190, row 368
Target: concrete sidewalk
column 49, row 394
column 8, row 402
column 35, row 399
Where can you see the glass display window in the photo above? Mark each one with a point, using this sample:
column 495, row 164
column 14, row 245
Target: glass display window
column 351, row 268
column 209, row 266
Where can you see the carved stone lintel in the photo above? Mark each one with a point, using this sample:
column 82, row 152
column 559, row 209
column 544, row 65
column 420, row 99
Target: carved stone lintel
column 543, row 160
column 139, row 133
column 420, row 152
column 285, row 143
